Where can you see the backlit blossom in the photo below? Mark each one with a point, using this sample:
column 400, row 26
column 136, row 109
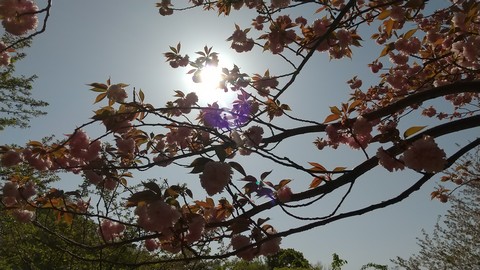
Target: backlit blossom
column 4, row 56
column 156, row 216
column 116, row 93
column 388, row 162
column 425, row 155
column 239, row 241
column 10, row 158
column 271, row 246
column 284, row 194
column 151, row 244
column 125, row 146
column 18, row 16
column 215, row 177
column 109, row 230
column 23, row 216
column 253, row 136
column 280, row 3
column 195, row 229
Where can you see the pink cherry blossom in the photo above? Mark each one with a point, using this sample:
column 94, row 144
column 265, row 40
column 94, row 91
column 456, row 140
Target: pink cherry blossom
column 215, row 177
column 125, row 146
column 388, row 162
column 22, row 215
column 195, row 228
column 92, row 177
column 116, row 93
column 10, row 158
column 253, row 136
column 271, row 246
column 109, row 184
column 165, row 7
column 425, row 155
column 355, row 83
column 18, row 16
column 4, row 56
column 430, row 111
column 239, row 241
column 151, row 244
column 240, row 42
column 397, row 13
column 28, row 190
column 376, row 66
column 109, row 230
column 280, row 3
column 284, row 194
column 10, row 193
column 156, row 216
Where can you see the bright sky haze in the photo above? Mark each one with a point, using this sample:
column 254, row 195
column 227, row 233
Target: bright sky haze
column 90, row 41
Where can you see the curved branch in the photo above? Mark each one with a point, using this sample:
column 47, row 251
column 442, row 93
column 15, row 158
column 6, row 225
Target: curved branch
column 386, row 203
column 454, row 88
column 447, row 128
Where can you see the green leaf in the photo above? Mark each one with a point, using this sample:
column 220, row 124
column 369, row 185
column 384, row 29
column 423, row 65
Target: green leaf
column 409, row 132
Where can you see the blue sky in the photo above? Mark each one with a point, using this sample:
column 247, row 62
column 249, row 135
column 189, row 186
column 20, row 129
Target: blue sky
column 89, row 41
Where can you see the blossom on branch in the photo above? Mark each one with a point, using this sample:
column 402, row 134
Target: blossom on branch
column 18, row 16
column 215, row 177
column 425, row 155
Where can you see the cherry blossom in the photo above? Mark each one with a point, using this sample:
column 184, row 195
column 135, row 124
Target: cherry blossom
column 156, row 216
column 239, row 241
column 116, row 93
column 215, row 177
column 10, row 158
column 271, row 246
column 22, row 215
column 284, row 194
column 18, row 16
column 109, row 230
column 425, row 155
column 388, row 162
column 4, row 56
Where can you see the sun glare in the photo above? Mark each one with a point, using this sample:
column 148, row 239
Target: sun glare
column 208, row 90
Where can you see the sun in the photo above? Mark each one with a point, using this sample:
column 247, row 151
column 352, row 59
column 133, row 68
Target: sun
column 208, row 89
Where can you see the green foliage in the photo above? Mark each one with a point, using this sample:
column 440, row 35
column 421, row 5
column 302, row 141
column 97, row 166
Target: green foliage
column 287, row 258
column 17, row 106
column 454, row 243
column 37, row 246
column 237, row 264
column 337, row 263
column 374, row 266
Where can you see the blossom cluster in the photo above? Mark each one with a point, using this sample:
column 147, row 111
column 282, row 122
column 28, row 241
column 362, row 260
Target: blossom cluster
column 109, row 230
column 77, row 152
column 14, row 196
column 4, row 56
column 358, row 135
column 269, row 247
column 422, row 155
column 156, row 216
column 215, row 177
column 18, row 16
